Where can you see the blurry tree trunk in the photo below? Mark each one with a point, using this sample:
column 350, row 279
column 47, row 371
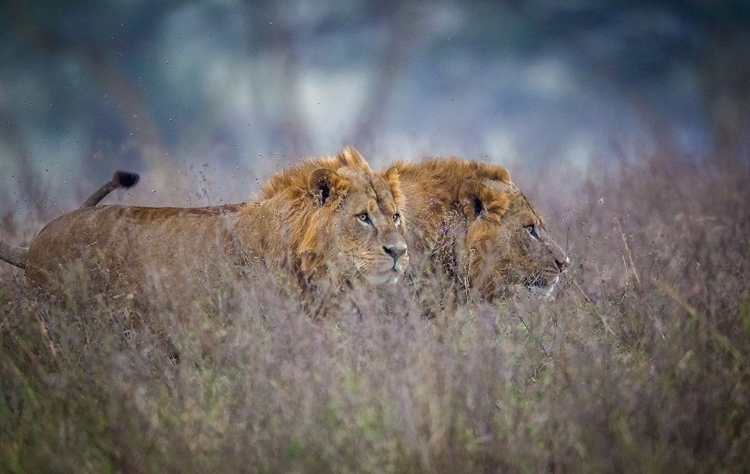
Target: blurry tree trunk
column 291, row 130
column 129, row 103
column 132, row 109
column 402, row 29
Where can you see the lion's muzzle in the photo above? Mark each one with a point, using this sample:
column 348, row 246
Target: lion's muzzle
column 397, row 252
column 562, row 264
column 391, row 263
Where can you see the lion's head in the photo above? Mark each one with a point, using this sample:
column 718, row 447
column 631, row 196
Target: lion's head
column 344, row 220
column 495, row 237
column 506, row 241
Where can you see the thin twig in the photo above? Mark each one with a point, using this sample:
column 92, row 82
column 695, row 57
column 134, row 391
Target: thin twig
column 693, row 312
column 596, row 311
column 629, row 255
column 531, row 333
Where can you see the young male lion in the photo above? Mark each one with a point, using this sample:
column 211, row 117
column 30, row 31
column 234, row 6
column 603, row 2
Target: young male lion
column 468, row 219
column 329, row 222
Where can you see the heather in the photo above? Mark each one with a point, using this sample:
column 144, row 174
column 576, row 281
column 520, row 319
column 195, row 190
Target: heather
column 640, row 362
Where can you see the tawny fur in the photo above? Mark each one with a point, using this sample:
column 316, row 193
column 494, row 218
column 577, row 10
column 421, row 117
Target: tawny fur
column 306, row 227
column 120, row 179
column 468, row 219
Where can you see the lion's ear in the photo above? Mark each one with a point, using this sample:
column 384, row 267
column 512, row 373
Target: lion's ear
column 326, row 185
column 491, row 172
column 473, row 196
column 354, row 159
column 478, row 200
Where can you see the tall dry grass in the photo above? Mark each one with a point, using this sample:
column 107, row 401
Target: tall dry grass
column 640, row 364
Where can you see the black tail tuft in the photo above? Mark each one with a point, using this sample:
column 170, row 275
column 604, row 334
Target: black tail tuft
column 126, row 179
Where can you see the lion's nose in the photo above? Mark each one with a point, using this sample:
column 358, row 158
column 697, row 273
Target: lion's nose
column 395, row 251
column 562, row 265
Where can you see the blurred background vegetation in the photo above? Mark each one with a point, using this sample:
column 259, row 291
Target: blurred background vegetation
column 626, row 124
column 90, row 86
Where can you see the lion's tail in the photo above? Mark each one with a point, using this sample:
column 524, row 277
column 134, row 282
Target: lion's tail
column 121, row 179
column 13, row 255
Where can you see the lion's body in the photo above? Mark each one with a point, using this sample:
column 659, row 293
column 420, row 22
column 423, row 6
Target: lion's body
column 130, row 248
column 469, row 220
column 305, row 222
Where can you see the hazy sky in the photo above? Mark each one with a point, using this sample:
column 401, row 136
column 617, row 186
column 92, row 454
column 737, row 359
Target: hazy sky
column 104, row 85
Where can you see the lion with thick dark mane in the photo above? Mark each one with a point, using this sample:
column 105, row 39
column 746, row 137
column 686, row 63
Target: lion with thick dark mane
column 330, row 223
column 468, row 219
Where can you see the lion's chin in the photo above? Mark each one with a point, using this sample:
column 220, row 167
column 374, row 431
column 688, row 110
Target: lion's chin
column 381, row 273
column 383, row 278
column 541, row 287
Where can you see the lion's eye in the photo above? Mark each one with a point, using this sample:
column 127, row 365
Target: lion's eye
column 363, row 217
column 396, row 217
column 532, row 230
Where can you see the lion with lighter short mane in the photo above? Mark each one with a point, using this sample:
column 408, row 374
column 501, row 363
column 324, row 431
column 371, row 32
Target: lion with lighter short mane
column 330, row 223
column 469, row 220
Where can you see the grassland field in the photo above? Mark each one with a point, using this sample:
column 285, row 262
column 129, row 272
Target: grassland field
column 640, row 362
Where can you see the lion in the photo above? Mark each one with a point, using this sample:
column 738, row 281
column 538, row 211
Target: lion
column 120, row 179
column 330, row 222
column 469, row 220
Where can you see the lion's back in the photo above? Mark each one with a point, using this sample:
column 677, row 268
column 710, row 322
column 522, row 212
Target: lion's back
column 128, row 243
